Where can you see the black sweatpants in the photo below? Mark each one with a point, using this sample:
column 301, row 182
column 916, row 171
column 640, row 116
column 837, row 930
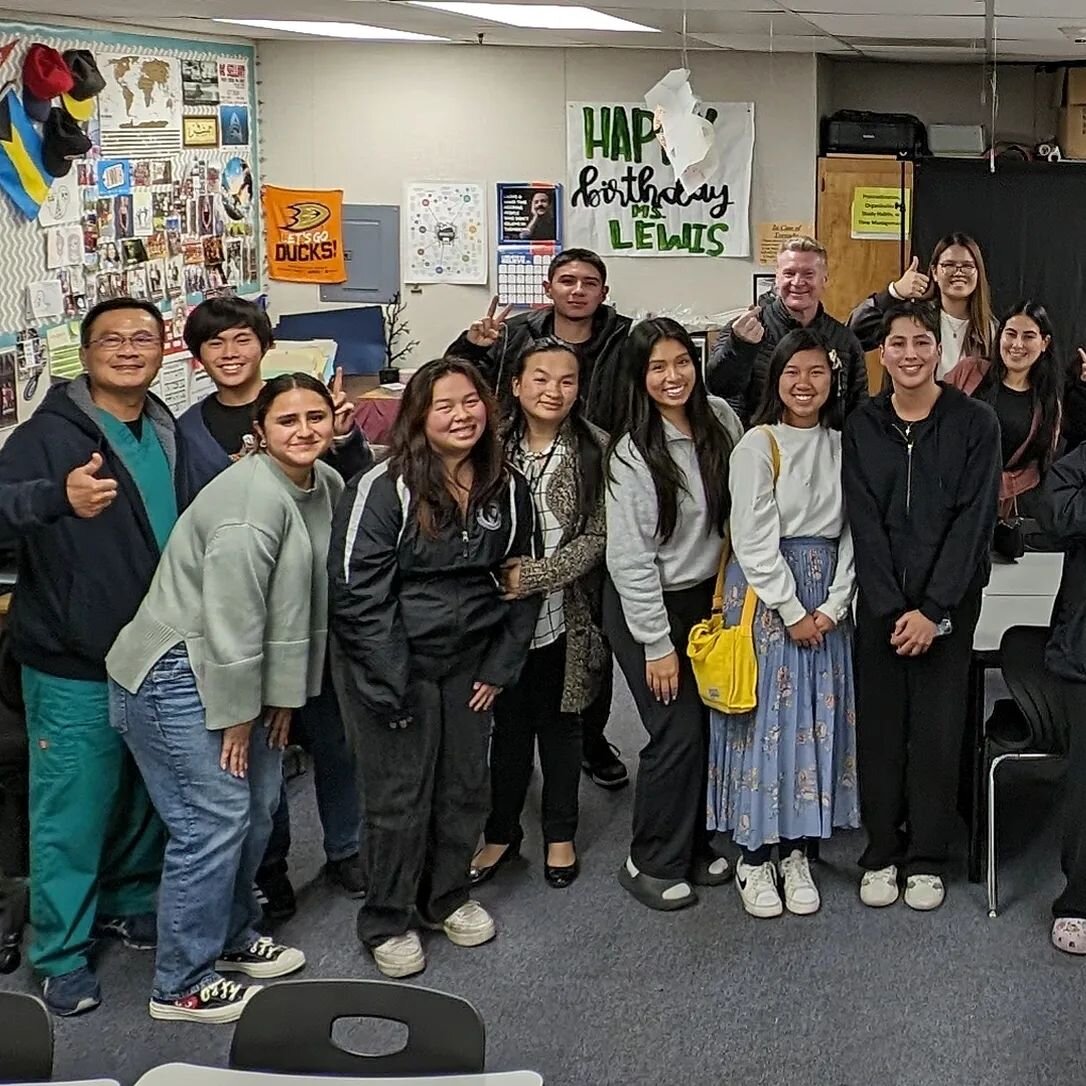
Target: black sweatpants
column 1072, row 902
column 910, row 720
column 669, row 813
column 523, row 715
column 426, row 794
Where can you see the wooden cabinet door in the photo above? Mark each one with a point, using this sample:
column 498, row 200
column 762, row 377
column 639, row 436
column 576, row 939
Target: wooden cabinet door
column 858, row 267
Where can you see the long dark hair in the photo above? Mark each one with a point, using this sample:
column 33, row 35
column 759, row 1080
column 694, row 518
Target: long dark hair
column 1045, row 383
column 771, row 409
column 589, row 454
column 640, row 418
column 979, row 336
column 413, row 460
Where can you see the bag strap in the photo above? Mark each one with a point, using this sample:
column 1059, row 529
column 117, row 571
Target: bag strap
column 725, row 552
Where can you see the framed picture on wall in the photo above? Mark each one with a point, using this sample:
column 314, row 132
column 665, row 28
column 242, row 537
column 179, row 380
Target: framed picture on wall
column 701, row 341
column 200, row 131
column 762, row 283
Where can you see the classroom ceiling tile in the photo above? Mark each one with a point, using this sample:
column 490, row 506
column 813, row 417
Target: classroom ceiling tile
column 901, row 26
column 1022, row 28
column 888, row 7
column 1070, row 10
column 702, row 23
column 783, row 43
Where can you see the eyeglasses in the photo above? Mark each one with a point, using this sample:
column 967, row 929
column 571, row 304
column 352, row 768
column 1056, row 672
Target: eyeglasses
column 141, row 341
column 966, row 266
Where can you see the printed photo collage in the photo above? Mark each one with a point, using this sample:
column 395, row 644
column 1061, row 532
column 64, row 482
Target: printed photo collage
column 159, row 230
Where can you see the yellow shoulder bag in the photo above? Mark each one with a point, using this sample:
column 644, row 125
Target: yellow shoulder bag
column 722, row 657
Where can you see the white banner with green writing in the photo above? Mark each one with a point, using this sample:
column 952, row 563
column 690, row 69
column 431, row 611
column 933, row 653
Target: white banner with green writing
column 623, row 200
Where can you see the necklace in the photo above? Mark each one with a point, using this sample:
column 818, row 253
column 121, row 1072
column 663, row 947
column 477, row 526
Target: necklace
column 536, row 464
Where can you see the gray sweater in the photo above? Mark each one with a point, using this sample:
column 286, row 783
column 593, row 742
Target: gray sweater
column 243, row 583
column 641, row 567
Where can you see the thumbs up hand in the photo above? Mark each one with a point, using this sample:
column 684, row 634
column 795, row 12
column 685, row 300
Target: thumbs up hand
column 914, row 283
column 87, row 494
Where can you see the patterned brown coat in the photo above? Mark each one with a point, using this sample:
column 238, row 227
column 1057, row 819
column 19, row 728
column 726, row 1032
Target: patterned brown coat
column 577, row 568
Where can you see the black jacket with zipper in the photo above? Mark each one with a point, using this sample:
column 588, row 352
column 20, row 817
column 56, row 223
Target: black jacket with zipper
column 79, row 579
column 598, row 355
column 921, row 502
column 401, row 601
column 737, row 370
column 1063, row 515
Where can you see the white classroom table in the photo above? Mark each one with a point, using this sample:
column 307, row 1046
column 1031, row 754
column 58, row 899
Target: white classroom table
column 1018, row 594
column 183, row 1074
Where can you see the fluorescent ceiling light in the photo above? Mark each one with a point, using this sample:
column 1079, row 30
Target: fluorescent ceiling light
column 334, row 30
column 538, row 16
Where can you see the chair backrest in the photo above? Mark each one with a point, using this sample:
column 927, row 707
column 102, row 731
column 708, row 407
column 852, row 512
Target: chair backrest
column 287, row 1028
column 26, row 1039
column 1036, row 691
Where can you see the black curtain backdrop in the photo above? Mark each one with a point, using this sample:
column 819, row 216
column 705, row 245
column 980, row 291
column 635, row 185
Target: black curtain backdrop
column 1030, row 220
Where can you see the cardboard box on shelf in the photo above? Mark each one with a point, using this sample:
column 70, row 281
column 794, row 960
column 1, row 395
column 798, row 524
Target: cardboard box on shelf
column 1072, row 132
column 1074, row 87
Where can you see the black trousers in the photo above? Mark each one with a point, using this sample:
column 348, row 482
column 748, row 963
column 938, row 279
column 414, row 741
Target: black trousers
column 594, row 718
column 910, row 721
column 1072, row 902
column 426, row 794
column 528, row 713
column 669, row 821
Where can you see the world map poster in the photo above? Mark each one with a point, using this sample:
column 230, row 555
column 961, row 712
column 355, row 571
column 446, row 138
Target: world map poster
column 140, row 107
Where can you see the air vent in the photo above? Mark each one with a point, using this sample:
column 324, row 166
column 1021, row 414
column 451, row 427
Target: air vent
column 1076, row 33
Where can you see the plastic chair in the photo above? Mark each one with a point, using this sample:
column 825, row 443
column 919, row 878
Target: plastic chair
column 26, row 1039
column 287, row 1028
column 1034, row 729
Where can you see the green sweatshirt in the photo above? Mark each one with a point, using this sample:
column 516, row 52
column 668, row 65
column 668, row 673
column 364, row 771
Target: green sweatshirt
column 243, row 583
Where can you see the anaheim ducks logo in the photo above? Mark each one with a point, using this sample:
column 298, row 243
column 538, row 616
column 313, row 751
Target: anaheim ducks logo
column 306, row 215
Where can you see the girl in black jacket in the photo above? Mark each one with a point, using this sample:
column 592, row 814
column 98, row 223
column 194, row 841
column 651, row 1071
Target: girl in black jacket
column 423, row 644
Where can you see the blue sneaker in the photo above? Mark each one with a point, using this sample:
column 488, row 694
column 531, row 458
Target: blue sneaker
column 136, row 932
column 72, row 993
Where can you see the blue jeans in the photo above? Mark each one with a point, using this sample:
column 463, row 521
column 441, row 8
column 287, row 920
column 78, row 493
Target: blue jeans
column 218, row 825
column 318, row 728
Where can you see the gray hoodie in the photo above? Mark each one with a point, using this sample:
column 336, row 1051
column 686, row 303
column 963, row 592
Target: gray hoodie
column 641, row 567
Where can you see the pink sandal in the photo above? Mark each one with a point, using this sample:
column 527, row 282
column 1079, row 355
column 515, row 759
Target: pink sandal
column 1069, row 935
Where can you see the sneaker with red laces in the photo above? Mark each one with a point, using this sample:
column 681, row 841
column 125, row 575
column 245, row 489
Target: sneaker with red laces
column 219, row 1001
column 263, row 959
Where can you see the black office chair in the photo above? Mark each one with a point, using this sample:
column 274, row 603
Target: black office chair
column 287, row 1028
column 26, row 1039
column 1032, row 727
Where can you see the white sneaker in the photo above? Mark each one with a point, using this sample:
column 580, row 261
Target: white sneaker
column 924, row 892
column 800, row 893
column 879, row 888
column 400, row 956
column 758, row 889
column 470, row 925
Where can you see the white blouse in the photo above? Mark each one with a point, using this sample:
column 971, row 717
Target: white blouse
column 807, row 501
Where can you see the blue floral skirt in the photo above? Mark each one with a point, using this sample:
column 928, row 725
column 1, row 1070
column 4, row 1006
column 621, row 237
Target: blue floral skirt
column 787, row 769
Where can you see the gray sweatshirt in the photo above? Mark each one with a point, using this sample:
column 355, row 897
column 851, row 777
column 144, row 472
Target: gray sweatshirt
column 243, row 582
column 641, row 567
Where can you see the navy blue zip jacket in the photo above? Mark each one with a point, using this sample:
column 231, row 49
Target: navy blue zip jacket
column 206, row 457
column 80, row 580
column 922, row 506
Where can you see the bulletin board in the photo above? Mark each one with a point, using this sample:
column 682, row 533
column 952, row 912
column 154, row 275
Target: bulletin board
column 165, row 206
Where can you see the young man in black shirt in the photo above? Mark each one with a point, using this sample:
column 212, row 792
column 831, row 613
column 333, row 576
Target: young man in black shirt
column 230, row 337
column 921, row 467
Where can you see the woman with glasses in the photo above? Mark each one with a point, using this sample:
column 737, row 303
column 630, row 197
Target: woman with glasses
column 957, row 282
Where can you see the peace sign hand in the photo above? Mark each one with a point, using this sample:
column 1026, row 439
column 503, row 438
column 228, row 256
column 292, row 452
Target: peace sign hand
column 485, row 333
column 343, row 408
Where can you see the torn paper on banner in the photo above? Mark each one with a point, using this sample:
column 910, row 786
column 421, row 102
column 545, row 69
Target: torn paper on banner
column 686, row 137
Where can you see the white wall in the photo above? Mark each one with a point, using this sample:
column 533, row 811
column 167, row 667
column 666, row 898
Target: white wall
column 368, row 118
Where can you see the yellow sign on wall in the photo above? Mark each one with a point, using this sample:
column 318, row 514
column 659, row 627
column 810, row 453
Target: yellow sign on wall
column 876, row 214
column 771, row 235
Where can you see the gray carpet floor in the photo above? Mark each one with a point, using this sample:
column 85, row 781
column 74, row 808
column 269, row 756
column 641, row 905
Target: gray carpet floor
column 586, row 986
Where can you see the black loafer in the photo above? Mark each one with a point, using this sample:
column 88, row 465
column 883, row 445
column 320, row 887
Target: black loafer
column 561, row 877
column 701, row 875
column 650, row 892
column 479, row 875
